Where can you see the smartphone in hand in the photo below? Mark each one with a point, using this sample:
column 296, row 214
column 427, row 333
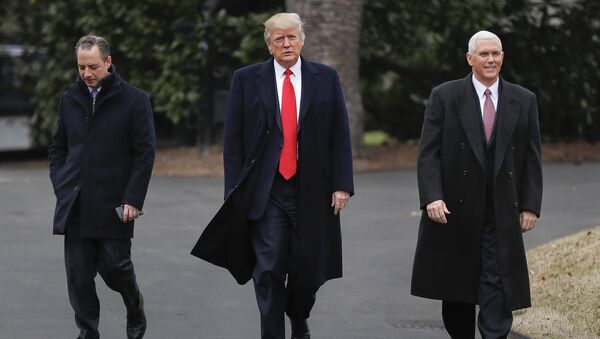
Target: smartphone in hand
column 119, row 210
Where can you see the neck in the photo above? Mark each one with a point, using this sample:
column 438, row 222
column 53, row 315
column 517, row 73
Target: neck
column 486, row 82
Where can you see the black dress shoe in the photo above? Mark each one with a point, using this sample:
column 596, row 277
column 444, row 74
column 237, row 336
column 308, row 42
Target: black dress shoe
column 300, row 329
column 136, row 322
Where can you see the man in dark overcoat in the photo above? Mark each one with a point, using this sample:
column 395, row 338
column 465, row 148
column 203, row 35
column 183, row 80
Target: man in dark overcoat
column 101, row 160
column 287, row 123
column 480, row 186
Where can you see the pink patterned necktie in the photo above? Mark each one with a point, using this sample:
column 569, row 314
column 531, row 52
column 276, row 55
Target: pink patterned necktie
column 489, row 115
column 289, row 122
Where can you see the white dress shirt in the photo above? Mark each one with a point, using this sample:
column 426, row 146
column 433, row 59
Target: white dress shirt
column 480, row 89
column 295, row 78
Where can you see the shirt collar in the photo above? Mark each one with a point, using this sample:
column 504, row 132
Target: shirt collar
column 480, row 88
column 296, row 68
column 97, row 89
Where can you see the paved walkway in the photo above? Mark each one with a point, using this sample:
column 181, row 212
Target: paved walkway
column 188, row 298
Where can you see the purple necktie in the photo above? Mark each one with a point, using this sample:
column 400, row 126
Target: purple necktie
column 94, row 93
column 489, row 115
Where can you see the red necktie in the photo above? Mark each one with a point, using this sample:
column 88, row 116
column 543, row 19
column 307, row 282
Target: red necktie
column 287, row 159
column 489, row 115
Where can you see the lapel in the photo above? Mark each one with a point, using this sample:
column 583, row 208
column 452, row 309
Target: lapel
column 506, row 118
column 310, row 83
column 267, row 90
column 468, row 109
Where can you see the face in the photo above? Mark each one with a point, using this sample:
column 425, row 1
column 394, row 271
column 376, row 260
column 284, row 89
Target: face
column 486, row 61
column 92, row 67
column 285, row 46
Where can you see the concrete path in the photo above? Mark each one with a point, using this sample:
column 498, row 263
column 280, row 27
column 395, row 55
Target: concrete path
column 188, row 298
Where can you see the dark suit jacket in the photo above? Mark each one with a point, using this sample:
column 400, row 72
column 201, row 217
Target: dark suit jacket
column 453, row 166
column 105, row 158
column 253, row 139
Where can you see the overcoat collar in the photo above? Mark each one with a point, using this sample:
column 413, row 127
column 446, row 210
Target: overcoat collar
column 111, row 85
column 506, row 119
column 310, row 83
column 267, row 89
column 468, row 109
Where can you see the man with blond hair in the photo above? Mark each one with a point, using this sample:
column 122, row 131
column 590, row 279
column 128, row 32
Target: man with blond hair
column 287, row 148
column 480, row 186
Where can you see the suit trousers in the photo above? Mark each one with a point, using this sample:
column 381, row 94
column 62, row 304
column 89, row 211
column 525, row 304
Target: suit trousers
column 494, row 320
column 111, row 258
column 275, row 242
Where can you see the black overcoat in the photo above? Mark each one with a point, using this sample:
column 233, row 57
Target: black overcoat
column 452, row 167
column 253, row 139
column 105, row 158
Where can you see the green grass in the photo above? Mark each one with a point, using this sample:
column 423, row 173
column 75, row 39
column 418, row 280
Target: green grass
column 376, row 138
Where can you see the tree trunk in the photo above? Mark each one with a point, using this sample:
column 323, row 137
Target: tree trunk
column 332, row 29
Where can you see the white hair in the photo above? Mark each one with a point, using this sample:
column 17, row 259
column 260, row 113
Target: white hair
column 283, row 21
column 482, row 35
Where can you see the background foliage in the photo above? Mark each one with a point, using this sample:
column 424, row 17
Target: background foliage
column 551, row 47
column 171, row 48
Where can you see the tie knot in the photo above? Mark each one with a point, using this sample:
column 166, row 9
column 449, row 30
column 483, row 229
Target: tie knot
column 287, row 72
column 487, row 92
column 94, row 93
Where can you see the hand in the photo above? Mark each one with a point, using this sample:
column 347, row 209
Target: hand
column 437, row 210
column 527, row 220
column 130, row 213
column 339, row 200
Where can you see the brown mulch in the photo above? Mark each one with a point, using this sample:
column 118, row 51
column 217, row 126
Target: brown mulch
column 190, row 161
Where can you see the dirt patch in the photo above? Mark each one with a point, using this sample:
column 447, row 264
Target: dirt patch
column 565, row 280
column 189, row 161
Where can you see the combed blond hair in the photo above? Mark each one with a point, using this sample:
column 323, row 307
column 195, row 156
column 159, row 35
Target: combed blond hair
column 283, row 21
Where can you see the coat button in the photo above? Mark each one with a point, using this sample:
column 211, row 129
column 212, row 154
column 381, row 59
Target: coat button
column 462, row 145
column 252, row 161
column 513, row 149
column 280, row 146
column 511, row 174
column 268, row 131
column 76, row 189
column 465, row 172
column 516, row 204
column 460, row 201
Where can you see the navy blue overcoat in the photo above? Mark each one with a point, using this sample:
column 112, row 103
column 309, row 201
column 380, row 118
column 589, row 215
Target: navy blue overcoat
column 105, row 157
column 253, row 139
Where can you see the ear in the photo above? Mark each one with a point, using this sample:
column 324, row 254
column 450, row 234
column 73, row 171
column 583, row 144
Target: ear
column 469, row 59
column 108, row 61
column 269, row 48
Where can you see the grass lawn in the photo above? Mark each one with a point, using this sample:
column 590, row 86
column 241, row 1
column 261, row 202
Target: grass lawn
column 565, row 289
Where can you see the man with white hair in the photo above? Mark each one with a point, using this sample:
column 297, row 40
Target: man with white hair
column 480, row 186
column 288, row 174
